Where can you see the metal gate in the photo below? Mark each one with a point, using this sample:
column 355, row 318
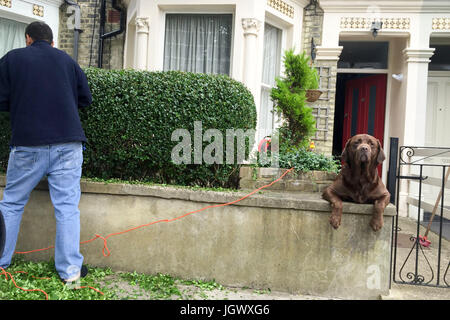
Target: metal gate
column 420, row 252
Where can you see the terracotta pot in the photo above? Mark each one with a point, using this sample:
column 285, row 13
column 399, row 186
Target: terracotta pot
column 313, row 95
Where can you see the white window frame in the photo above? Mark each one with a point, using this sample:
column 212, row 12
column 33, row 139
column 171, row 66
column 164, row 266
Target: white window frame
column 276, row 121
column 195, row 10
column 21, row 11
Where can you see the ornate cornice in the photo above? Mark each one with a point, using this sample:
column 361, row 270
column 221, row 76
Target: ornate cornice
column 441, row 23
column 251, row 26
column 38, row 10
column 386, row 6
column 365, row 23
column 282, row 7
column 5, row 3
column 142, row 24
column 418, row 55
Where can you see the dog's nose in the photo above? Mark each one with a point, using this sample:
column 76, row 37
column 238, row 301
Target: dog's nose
column 364, row 148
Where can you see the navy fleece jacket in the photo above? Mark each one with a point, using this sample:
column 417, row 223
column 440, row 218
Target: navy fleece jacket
column 42, row 88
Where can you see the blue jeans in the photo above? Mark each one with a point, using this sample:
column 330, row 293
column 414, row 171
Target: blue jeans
column 61, row 163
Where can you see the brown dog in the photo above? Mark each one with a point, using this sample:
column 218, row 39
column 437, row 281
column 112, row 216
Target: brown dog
column 358, row 180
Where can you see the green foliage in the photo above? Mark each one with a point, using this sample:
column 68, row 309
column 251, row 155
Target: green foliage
column 289, row 97
column 299, row 73
column 302, row 159
column 159, row 286
column 130, row 124
column 136, row 182
column 43, row 276
column 164, row 286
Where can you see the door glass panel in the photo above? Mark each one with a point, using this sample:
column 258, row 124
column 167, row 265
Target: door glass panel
column 355, row 104
column 364, row 54
column 372, row 109
column 440, row 59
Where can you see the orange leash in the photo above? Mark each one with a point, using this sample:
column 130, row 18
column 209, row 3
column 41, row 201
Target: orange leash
column 7, row 274
column 105, row 239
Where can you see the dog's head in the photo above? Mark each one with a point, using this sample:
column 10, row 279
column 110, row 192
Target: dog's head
column 363, row 149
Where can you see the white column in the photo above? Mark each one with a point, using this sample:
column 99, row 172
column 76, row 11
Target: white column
column 414, row 119
column 416, row 95
column 251, row 28
column 142, row 30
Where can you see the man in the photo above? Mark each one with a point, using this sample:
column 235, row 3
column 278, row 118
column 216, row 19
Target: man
column 42, row 88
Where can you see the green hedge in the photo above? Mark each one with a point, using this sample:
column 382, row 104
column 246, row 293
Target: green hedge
column 130, row 124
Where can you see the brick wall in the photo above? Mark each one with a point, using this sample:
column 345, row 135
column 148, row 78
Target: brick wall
column 312, row 26
column 89, row 39
column 323, row 109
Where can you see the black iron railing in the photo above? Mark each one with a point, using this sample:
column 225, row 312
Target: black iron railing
column 426, row 262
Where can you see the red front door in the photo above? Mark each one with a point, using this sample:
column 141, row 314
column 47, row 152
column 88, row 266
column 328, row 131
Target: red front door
column 365, row 104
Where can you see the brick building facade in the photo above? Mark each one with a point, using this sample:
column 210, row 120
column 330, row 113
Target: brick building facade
column 296, row 22
column 323, row 109
column 90, row 22
column 113, row 54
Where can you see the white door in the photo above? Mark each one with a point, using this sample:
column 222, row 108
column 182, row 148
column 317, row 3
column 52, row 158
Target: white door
column 438, row 110
column 437, row 135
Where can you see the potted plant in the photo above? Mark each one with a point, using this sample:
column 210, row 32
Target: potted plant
column 290, row 97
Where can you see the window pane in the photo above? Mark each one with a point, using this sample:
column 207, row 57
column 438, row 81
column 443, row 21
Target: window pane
column 364, row 54
column 271, row 70
column 440, row 61
column 198, row 43
column 12, row 35
column 272, row 52
column 266, row 122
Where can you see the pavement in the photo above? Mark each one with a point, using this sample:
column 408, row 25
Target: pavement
column 126, row 291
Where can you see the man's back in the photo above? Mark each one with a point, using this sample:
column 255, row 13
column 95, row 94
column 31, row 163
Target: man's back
column 43, row 87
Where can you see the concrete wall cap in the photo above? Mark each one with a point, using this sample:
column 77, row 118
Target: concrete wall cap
column 282, row 200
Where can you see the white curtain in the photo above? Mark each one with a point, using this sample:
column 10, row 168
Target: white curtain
column 12, row 35
column 271, row 69
column 198, row 43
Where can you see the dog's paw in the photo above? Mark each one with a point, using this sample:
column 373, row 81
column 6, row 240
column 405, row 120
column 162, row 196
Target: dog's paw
column 376, row 223
column 335, row 221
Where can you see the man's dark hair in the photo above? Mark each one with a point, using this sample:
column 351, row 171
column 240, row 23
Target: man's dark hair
column 39, row 31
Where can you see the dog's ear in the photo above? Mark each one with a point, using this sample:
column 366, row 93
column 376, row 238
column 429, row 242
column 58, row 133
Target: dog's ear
column 345, row 155
column 381, row 156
